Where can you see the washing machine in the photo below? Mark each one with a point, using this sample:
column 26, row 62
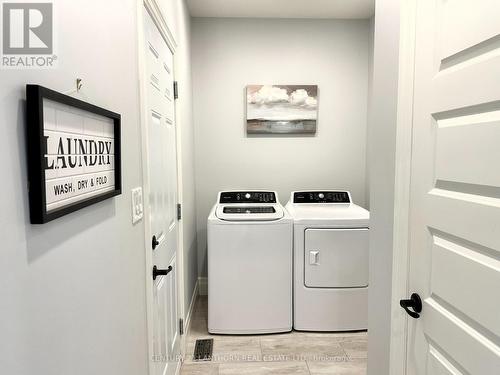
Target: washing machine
column 330, row 261
column 249, row 237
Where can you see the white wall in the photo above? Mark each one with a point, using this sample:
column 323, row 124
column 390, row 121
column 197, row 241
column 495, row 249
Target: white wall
column 72, row 292
column 227, row 55
column 382, row 150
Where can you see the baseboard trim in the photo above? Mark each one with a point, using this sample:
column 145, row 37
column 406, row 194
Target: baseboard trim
column 187, row 320
column 203, row 286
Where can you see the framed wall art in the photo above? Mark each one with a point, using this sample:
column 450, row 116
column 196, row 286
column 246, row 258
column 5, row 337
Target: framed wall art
column 74, row 154
column 282, row 109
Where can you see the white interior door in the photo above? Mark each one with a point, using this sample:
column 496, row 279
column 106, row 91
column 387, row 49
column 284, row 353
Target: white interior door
column 455, row 189
column 162, row 172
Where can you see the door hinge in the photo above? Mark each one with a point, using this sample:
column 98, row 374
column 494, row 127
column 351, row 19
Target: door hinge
column 179, row 211
column 176, row 90
column 181, row 326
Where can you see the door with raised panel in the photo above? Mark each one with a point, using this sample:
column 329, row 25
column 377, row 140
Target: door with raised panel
column 162, row 192
column 455, row 189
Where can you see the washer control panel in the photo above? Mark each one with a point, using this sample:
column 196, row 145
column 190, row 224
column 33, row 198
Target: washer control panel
column 249, row 210
column 321, row 197
column 247, row 197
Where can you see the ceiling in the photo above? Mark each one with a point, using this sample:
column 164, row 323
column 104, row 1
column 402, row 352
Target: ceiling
column 282, row 8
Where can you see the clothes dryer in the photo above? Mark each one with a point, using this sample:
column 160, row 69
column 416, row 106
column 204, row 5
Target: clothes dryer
column 330, row 261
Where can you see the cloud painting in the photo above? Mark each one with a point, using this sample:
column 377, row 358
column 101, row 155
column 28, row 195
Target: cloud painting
column 282, row 109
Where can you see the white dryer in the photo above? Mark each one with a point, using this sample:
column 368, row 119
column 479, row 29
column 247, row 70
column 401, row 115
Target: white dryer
column 330, row 261
column 249, row 264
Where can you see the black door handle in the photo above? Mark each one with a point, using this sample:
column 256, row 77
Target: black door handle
column 415, row 303
column 158, row 272
column 154, row 242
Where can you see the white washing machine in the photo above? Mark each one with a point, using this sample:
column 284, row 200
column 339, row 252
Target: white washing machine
column 249, row 264
column 330, row 261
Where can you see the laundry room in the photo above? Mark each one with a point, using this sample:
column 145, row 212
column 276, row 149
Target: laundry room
column 252, row 157
column 249, row 187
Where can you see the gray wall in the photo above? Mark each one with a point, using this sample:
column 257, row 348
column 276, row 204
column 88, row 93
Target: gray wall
column 382, row 150
column 369, row 108
column 72, row 292
column 227, row 55
column 184, row 112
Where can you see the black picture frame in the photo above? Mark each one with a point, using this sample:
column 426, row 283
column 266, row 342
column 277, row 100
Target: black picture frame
column 35, row 94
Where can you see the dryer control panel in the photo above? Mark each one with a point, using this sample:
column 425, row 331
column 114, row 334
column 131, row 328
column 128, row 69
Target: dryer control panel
column 247, row 197
column 321, row 197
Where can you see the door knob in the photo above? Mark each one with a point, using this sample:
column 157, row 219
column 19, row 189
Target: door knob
column 154, row 242
column 159, row 272
column 415, row 303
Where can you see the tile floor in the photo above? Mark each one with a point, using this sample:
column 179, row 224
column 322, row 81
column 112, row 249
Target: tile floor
column 295, row 353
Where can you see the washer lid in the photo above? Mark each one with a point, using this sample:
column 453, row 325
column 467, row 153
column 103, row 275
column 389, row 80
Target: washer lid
column 249, row 212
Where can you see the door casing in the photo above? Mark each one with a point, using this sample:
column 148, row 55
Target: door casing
column 402, row 180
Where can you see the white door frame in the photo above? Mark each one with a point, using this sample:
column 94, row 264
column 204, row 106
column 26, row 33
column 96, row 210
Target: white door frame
column 154, row 10
column 402, row 181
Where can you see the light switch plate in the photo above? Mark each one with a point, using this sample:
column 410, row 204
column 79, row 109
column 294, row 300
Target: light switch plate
column 137, row 205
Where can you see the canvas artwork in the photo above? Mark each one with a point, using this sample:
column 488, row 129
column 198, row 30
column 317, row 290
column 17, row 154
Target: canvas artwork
column 282, row 109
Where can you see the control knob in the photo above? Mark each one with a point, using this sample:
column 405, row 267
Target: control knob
column 247, row 195
column 321, row 195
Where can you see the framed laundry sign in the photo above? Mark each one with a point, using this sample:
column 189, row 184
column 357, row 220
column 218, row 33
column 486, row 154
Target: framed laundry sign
column 74, row 154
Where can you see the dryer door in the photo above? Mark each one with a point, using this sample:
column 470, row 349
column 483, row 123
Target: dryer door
column 336, row 258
